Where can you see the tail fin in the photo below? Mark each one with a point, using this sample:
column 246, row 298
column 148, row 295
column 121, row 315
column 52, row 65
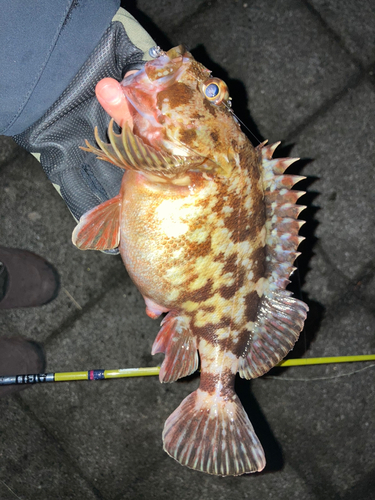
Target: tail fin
column 213, row 434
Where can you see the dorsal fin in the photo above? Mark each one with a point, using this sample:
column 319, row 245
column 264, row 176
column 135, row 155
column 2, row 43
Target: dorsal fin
column 280, row 317
column 282, row 223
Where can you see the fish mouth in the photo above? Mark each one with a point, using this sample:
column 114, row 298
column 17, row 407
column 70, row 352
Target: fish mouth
column 141, row 87
column 147, row 138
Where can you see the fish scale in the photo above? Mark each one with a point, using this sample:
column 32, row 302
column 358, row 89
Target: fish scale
column 207, row 228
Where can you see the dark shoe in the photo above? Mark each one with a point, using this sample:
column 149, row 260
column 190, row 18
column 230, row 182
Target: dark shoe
column 26, row 280
column 19, row 356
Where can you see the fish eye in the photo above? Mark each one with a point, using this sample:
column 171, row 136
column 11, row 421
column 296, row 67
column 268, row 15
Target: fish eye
column 215, row 90
column 212, row 90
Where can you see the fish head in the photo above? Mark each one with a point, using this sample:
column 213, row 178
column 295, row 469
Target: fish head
column 179, row 109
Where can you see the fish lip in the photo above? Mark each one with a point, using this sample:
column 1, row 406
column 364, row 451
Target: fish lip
column 167, row 146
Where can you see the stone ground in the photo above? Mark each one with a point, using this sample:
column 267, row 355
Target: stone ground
column 298, row 71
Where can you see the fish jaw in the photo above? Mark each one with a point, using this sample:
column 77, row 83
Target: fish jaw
column 177, row 128
column 172, row 114
column 141, row 91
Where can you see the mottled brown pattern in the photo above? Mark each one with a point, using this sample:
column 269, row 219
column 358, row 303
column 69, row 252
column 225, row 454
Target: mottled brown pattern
column 220, row 257
column 231, row 264
column 234, row 145
column 208, row 308
column 198, row 71
column 204, row 248
column 251, row 302
column 210, row 382
column 178, row 94
column 244, row 338
column 208, row 332
column 194, row 243
column 192, row 277
column 258, row 217
column 214, row 135
column 238, row 222
column 259, row 263
column 199, row 249
column 235, row 219
column 227, row 292
column 236, row 345
column 187, row 136
column 210, row 108
column 203, row 293
column 249, row 161
column 218, row 207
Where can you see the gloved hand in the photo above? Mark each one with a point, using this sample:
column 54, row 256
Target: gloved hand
column 54, row 139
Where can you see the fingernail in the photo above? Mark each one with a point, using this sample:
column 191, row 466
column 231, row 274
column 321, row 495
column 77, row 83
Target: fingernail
column 111, row 94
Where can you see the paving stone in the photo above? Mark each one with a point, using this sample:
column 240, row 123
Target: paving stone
column 170, row 482
column 323, row 283
column 112, row 429
column 170, row 13
column 104, row 425
column 346, row 329
column 354, row 24
column 342, row 148
column 282, row 63
column 325, row 428
column 8, row 149
column 259, row 58
column 32, row 464
column 367, row 292
column 34, row 217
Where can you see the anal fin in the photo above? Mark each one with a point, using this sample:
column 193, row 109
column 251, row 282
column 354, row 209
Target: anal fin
column 180, row 347
column 99, row 229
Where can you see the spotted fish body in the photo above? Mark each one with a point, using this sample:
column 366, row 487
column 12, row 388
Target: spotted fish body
column 207, row 228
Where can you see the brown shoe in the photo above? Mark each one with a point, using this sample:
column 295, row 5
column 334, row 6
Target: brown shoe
column 26, row 280
column 19, row 356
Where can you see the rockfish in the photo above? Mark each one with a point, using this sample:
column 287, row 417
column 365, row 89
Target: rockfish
column 207, row 228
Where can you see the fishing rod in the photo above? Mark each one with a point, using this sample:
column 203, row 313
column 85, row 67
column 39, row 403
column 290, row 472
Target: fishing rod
column 92, row 375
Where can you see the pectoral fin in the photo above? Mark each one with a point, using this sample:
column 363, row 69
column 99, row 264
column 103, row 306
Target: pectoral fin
column 99, row 229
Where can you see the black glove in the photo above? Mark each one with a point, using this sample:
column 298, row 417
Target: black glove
column 81, row 179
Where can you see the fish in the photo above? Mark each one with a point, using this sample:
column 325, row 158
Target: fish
column 207, row 226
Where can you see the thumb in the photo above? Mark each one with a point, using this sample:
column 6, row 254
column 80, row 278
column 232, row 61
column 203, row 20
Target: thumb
column 110, row 95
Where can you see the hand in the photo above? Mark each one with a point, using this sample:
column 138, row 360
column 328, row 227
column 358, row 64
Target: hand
column 81, row 179
column 111, row 97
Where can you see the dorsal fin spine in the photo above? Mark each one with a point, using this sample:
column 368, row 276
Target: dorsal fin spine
column 279, row 316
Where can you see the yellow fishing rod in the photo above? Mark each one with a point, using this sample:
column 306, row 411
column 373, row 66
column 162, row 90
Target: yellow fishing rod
column 92, row 375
